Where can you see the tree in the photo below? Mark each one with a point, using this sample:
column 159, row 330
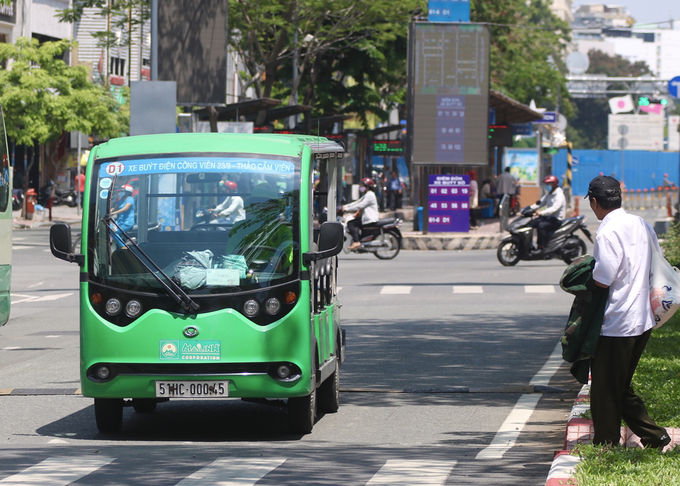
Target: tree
column 589, row 125
column 315, row 34
column 43, row 98
column 527, row 46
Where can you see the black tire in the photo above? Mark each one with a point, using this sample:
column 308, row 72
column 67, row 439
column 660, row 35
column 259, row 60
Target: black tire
column 144, row 405
column 109, row 414
column 329, row 392
column 508, row 253
column 390, row 251
column 302, row 413
column 574, row 248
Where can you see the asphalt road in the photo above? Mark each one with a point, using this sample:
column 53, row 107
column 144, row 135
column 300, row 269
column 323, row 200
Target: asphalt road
column 444, row 350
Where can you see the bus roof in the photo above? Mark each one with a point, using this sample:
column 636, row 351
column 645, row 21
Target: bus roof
column 267, row 144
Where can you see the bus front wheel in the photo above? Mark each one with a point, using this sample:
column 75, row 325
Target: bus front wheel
column 329, row 392
column 302, row 413
column 109, row 414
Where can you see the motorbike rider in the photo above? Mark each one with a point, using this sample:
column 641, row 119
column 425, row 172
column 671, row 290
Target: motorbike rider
column 550, row 210
column 231, row 206
column 367, row 207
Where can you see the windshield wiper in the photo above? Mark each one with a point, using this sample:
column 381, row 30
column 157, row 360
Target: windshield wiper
column 173, row 290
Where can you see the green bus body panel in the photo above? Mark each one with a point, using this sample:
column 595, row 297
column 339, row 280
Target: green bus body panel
column 242, row 341
column 5, row 299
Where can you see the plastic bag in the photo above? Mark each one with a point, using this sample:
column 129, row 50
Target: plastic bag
column 191, row 272
column 664, row 288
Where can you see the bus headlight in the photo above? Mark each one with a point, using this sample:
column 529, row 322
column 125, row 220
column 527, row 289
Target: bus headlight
column 272, row 306
column 283, row 371
column 133, row 309
column 113, row 307
column 251, row 308
column 103, row 372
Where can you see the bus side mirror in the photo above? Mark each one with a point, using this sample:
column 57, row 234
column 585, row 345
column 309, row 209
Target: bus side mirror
column 331, row 239
column 61, row 246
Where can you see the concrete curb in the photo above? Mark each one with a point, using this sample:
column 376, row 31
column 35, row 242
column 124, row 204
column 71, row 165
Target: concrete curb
column 450, row 241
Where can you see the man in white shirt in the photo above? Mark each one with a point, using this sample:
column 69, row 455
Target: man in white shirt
column 232, row 206
column 622, row 258
column 552, row 208
column 368, row 205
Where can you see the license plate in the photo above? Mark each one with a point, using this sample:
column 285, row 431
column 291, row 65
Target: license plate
column 192, row 389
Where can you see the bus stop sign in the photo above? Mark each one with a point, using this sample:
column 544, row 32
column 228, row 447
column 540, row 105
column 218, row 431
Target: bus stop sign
column 674, row 87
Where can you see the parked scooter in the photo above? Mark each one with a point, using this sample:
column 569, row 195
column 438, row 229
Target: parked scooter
column 382, row 238
column 66, row 196
column 563, row 243
column 17, row 199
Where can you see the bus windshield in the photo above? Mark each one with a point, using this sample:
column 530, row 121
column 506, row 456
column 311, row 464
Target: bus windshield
column 210, row 224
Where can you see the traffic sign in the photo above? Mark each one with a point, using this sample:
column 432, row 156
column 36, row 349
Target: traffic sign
column 549, row 118
column 674, row 87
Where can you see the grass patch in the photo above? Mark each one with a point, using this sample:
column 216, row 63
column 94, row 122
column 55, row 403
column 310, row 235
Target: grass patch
column 621, row 466
column 657, row 382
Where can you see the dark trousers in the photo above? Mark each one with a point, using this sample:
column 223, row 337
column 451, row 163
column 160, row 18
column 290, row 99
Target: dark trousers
column 355, row 226
column 394, row 198
column 544, row 225
column 611, row 395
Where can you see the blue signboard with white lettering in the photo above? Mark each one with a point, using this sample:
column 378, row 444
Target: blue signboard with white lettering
column 548, row 118
column 674, row 87
column 448, row 11
column 526, row 129
column 448, row 203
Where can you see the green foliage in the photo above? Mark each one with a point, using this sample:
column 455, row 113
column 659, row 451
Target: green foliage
column 621, row 466
column 671, row 245
column 42, row 96
column 527, row 42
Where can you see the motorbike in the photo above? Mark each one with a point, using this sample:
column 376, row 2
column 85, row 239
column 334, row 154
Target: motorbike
column 17, row 199
column 563, row 243
column 66, row 196
column 205, row 221
column 381, row 238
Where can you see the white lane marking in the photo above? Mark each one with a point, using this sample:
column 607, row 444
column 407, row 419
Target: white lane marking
column 549, row 368
column 21, row 247
column 339, row 289
column 35, row 285
column 232, row 472
column 58, row 471
column 53, row 336
column 395, row 289
column 468, row 289
column 10, row 348
column 539, row 289
column 509, row 432
column 44, row 298
column 412, row 473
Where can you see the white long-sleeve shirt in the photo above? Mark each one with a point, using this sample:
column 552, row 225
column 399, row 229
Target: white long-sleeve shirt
column 231, row 205
column 554, row 204
column 368, row 204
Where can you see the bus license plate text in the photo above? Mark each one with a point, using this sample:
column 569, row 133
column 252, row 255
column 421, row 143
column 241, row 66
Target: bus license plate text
column 192, row 389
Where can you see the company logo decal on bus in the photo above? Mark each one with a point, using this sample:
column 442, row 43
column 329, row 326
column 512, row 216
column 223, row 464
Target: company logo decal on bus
column 197, row 164
column 191, row 350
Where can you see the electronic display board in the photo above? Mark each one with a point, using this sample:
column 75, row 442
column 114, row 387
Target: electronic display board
column 449, row 79
column 388, row 147
column 449, row 203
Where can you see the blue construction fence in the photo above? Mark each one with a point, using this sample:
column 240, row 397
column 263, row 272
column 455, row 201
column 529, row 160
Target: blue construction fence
column 643, row 169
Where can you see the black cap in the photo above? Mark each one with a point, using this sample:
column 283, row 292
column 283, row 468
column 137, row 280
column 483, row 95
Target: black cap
column 604, row 186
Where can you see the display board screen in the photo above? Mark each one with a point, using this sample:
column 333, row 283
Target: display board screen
column 450, row 98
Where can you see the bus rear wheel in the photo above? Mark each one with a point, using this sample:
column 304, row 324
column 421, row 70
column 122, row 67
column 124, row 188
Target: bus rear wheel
column 108, row 413
column 302, row 413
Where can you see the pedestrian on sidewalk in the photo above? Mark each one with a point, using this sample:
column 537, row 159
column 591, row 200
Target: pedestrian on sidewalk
column 622, row 264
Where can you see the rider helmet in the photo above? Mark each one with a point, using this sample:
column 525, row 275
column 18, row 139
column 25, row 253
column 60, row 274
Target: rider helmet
column 552, row 180
column 368, row 182
column 127, row 188
column 229, row 185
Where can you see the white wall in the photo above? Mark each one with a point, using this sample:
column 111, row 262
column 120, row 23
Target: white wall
column 44, row 20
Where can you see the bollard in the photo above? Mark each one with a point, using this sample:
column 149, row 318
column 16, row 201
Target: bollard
column 30, row 203
column 669, row 207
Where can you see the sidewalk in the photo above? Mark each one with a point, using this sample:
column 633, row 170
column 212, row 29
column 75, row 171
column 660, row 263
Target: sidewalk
column 60, row 214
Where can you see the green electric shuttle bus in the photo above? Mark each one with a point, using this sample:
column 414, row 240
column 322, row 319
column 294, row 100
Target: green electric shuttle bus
column 5, row 225
column 175, row 304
